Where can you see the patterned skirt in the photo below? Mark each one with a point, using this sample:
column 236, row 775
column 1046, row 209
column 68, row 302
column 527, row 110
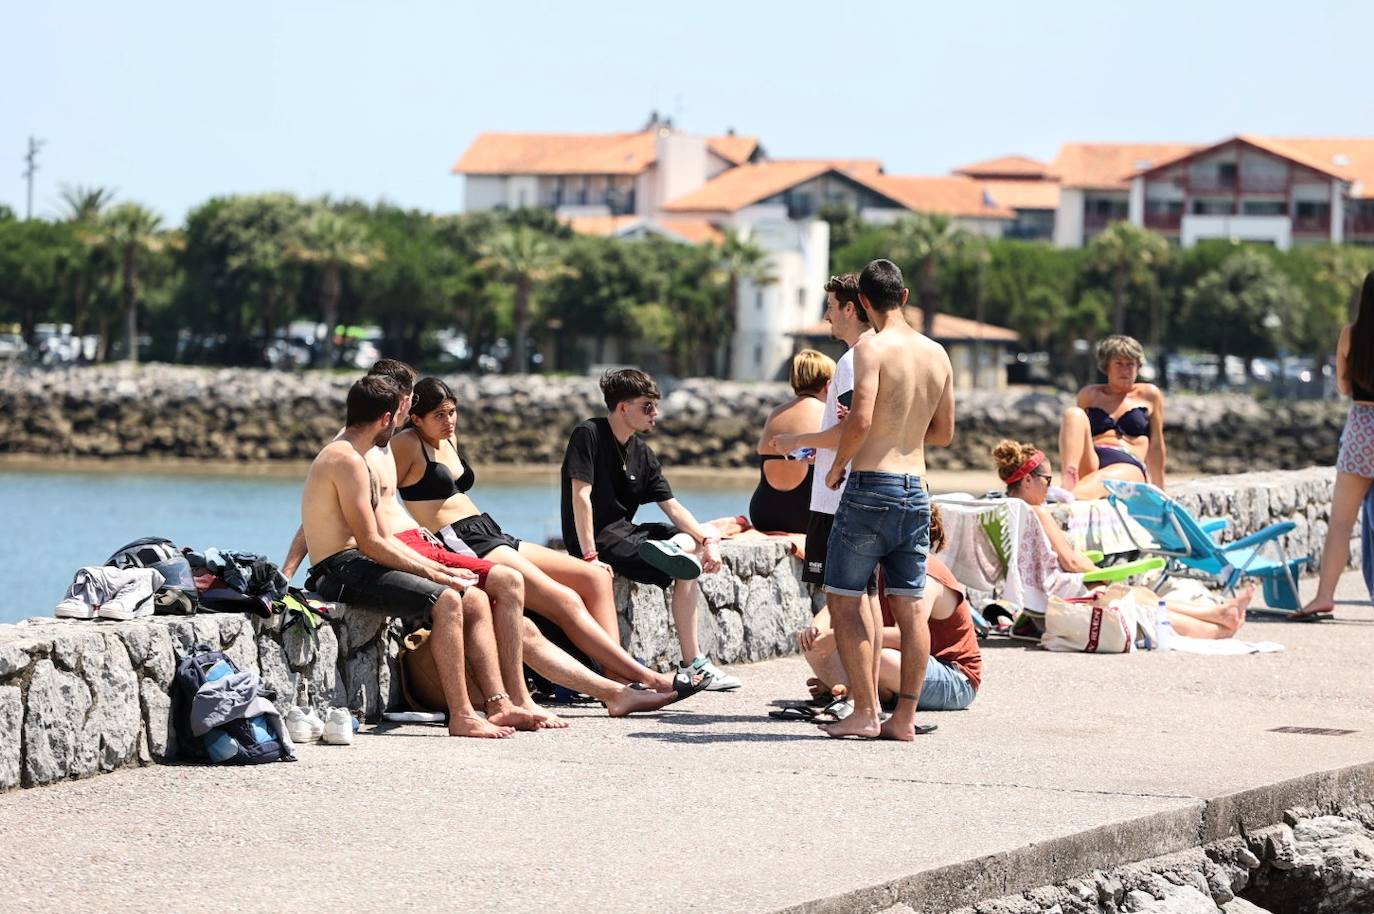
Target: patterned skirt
column 1357, row 442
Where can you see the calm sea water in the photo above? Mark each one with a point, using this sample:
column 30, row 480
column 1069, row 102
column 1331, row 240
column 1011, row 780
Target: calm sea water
column 56, row 522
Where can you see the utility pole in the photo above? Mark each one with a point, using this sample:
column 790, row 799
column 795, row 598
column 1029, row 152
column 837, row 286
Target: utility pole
column 31, row 159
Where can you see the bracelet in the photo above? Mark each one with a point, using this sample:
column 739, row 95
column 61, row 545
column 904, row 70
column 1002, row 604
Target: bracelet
column 908, row 696
column 499, row 696
column 590, row 556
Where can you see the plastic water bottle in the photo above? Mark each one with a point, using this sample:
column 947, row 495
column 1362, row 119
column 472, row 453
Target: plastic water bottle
column 1164, row 629
column 802, row 453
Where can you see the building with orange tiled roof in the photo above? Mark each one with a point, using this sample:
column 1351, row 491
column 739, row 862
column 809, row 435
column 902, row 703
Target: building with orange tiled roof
column 1283, row 191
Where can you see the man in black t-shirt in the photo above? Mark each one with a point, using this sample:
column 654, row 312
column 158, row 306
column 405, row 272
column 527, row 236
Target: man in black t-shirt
column 608, row 473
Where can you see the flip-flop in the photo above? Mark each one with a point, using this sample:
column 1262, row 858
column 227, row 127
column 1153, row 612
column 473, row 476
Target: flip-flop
column 795, row 712
column 669, row 558
column 834, row 712
column 923, row 729
column 685, row 687
column 1301, row 616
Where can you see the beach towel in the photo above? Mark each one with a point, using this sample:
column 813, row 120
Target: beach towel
column 1095, row 524
column 971, row 555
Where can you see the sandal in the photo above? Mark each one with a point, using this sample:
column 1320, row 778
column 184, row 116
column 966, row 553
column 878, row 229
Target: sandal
column 795, row 712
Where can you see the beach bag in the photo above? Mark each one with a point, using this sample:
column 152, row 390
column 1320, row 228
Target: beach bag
column 420, row 684
column 1088, row 625
column 244, row 741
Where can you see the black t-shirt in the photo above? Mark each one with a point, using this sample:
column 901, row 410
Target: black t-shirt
column 622, row 478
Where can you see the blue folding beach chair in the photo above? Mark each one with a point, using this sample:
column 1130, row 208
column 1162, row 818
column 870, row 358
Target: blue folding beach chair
column 1193, row 551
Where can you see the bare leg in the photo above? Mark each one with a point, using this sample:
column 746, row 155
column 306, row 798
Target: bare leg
column 1226, row 617
column 875, row 616
column 1076, row 455
column 854, row 636
column 555, row 665
column 684, row 606
column 446, row 641
column 827, row 667
column 506, row 590
column 913, row 619
column 563, row 607
column 1345, row 506
column 485, row 665
column 591, row 584
column 1090, row 485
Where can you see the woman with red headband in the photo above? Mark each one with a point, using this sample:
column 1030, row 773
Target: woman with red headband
column 1027, row 474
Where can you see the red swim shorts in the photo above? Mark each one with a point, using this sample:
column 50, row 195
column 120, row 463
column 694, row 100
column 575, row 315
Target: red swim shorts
column 431, row 550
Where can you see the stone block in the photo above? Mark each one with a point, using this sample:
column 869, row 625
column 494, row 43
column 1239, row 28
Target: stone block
column 110, row 734
column 54, row 716
column 11, row 736
column 160, row 736
column 13, row 659
column 274, row 670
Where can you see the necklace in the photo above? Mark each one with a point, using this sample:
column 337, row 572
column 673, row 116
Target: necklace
column 624, row 459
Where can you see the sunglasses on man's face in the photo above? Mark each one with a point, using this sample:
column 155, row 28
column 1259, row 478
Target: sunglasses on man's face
column 650, row 407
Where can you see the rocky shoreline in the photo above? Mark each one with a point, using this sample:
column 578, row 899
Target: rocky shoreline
column 250, row 415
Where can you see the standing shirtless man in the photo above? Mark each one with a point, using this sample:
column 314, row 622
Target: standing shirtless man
column 353, row 557
column 903, row 400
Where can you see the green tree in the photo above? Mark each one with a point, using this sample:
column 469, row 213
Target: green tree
column 925, row 243
column 132, row 232
column 93, row 267
column 34, row 254
column 1129, row 257
column 524, row 259
column 1238, row 307
column 333, row 242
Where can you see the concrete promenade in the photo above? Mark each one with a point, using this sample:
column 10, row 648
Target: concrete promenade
column 1064, row 763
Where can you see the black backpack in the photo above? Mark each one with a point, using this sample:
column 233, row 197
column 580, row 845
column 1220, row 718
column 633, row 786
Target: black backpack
column 243, row 741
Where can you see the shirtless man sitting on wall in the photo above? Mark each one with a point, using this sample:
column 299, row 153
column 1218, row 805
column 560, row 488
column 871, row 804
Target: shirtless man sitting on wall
column 903, row 400
column 353, row 559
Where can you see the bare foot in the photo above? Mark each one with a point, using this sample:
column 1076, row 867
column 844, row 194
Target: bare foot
column 517, row 718
column 476, row 727
column 817, row 688
column 661, row 682
column 1242, row 604
column 547, row 719
column 853, row 726
column 1317, row 607
column 628, row 701
column 891, row 729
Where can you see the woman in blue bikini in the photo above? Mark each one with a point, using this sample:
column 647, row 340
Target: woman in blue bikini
column 1116, row 430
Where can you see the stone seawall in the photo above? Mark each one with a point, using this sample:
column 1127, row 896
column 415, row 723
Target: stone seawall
column 81, row 698
column 248, row 414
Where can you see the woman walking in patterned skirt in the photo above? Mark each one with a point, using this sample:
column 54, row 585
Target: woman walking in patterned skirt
column 1355, row 464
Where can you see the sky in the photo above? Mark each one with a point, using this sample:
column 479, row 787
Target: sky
column 173, row 103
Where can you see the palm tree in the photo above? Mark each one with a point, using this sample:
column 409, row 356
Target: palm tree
column 333, row 241
column 84, row 208
column 523, row 258
column 734, row 260
column 1130, row 255
column 132, row 231
column 927, row 241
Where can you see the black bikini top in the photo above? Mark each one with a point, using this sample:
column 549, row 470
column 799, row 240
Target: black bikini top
column 1133, row 423
column 438, row 483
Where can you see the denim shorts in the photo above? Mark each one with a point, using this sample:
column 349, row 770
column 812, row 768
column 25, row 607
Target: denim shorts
column 946, row 688
column 883, row 519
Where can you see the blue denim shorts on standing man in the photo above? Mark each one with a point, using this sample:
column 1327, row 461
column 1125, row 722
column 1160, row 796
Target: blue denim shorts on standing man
column 883, row 519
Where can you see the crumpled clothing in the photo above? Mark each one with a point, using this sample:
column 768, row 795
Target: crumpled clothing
column 220, row 701
column 127, row 588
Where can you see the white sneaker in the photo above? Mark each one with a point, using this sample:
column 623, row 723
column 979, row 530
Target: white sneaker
column 316, row 724
column 299, row 727
column 120, row 612
column 338, row 728
column 720, row 680
column 72, row 608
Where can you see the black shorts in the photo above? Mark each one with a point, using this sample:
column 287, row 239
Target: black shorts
column 482, row 534
column 351, row 577
column 618, row 546
column 817, row 535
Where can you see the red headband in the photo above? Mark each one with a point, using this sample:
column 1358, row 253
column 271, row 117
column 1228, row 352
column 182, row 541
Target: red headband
column 1025, row 469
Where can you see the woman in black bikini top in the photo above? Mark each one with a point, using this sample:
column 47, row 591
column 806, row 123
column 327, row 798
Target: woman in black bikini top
column 434, row 475
column 1111, row 433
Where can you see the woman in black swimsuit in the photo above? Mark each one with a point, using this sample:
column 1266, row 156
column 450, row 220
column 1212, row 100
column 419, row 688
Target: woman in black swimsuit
column 434, row 475
column 1116, row 431
column 782, row 500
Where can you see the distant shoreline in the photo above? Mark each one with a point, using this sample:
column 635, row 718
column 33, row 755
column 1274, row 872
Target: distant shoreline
column 740, row 478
